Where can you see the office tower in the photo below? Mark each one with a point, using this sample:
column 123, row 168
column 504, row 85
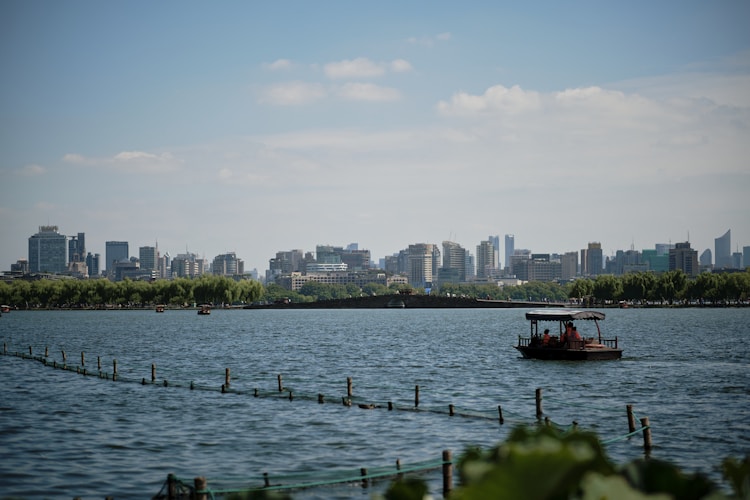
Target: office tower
column 115, row 251
column 228, row 265
column 722, row 251
column 569, row 265
column 421, row 266
column 495, row 240
column 745, row 257
column 485, row 260
column 684, row 258
column 454, row 263
column 48, row 251
column 93, row 264
column 509, row 250
column 594, row 259
column 706, row 258
column 77, row 248
column 148, row 257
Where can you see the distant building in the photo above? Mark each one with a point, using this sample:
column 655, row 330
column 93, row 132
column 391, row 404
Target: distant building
column 568, row 265
column 592, row 259
column 722, row 251
column 20, row 267
column 745, row 257
column 454, row 263
column 148, row 257
column 228, row 265
column 495, row 240
column 48, row 251
column 486, row 260
column 684, row 258
column 540, row 267
column 422, row 264
column 706, row 259
column 115, row 251
column 510, row 242
column 93, row 263
column 77, row 248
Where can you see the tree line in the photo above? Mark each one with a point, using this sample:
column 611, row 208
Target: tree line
column 665, row 288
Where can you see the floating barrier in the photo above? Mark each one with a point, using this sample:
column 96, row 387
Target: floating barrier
column 178, row 488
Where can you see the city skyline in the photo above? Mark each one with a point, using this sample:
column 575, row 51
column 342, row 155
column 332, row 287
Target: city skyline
column 472, row 249
column 251, row 128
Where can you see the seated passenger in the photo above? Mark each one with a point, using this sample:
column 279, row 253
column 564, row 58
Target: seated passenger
column 575, row 335
column 545, row 337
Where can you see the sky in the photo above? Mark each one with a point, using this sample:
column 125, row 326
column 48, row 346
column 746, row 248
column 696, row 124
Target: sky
column 259, row 127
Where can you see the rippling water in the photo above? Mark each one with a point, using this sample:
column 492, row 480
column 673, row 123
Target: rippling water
column 65, row 435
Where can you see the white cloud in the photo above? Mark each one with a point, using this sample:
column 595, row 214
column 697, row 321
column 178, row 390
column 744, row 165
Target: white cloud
column 279, row 65
column 130, row 161
column 368, row 92
column 496, row 99
column 400, row 66
column 293, row 93
column 31, row 170
column 429, row 40
column 360, row 67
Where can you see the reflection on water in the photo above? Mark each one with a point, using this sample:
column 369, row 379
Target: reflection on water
column 67, row 435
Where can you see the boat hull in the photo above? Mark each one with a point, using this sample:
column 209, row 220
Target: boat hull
column 553, row 353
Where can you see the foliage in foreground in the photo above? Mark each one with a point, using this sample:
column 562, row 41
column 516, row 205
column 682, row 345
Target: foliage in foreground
column 544, row 463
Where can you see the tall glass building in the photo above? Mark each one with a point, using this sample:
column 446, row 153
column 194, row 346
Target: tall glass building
column 115, row 251
column 723, row 251
column 48, row 251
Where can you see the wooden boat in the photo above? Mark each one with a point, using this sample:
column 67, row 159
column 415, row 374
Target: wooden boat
column 204, row 310
column 160, row 308
column 558, row 347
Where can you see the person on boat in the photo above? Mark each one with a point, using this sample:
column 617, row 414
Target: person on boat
column 545, row 337
column 574, row 335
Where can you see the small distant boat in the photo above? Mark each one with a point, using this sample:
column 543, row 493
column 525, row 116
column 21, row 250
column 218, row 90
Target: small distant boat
column 560, row 346
column 160, row 308
column 204, row 310
column 4, row 308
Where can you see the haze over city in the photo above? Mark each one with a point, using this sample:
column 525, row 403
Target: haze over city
column 254, row 128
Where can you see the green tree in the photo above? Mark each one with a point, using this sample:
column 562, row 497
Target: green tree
column 607, row 288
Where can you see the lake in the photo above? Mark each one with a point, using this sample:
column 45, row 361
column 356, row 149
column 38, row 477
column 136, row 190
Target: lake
column 66, row 435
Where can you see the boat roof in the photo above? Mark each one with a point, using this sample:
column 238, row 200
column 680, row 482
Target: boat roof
column 563, row 315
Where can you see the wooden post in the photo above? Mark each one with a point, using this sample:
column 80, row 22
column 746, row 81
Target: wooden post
column 539, row 411
column 390, row 405
column 5, row 348
column 349, row 386
column 99, row 363
column 64, row 358
column 46, row 352
column 450, row 410
column 200, row 486
column 647, row 445
column 153, row 372
column 631, row 418
column 266, row 482
column 416, row 396
column 447, row 472
column 171, row 487
column 281, row 386
column 83, row 358
column 255, row 393
column 500, row 414
column 363, row 471
column 226, row 377
column 30, row 351
column 320, row 398
column 400, row 475
column 291, row 396
column 114, row 370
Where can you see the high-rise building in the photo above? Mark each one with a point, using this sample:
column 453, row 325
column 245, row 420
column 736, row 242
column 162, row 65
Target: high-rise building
column 421, row 264
column 723, row 251
column 485, row 260
column 568, row 265
column 149, row 258
column 684, row 258
column 509, row 251
column 228, row 265
column 706, row 258
column 745, row 257
column 48, row 251
column 454, row 263
column 77, row 248
column 93, row 263
column 495, row 240
column 594, row 259
column 115, row 251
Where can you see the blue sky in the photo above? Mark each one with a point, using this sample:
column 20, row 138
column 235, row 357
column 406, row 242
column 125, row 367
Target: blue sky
column 257, row 127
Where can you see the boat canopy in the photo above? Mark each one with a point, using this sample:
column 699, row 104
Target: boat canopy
column 562, row 315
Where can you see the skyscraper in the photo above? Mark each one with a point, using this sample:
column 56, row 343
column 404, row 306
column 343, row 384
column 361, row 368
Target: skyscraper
column 48, row 251
column 723, row 251
column 115, row 251
column 684, row 258
column 485, row 259
column 421, row 264
column 594, row 259
column 77, row 248
column 148, row 257
column 509, row 250
column 454, row 262
column 495, row 240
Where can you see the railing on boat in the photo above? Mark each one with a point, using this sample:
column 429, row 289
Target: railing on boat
column 572, row 344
